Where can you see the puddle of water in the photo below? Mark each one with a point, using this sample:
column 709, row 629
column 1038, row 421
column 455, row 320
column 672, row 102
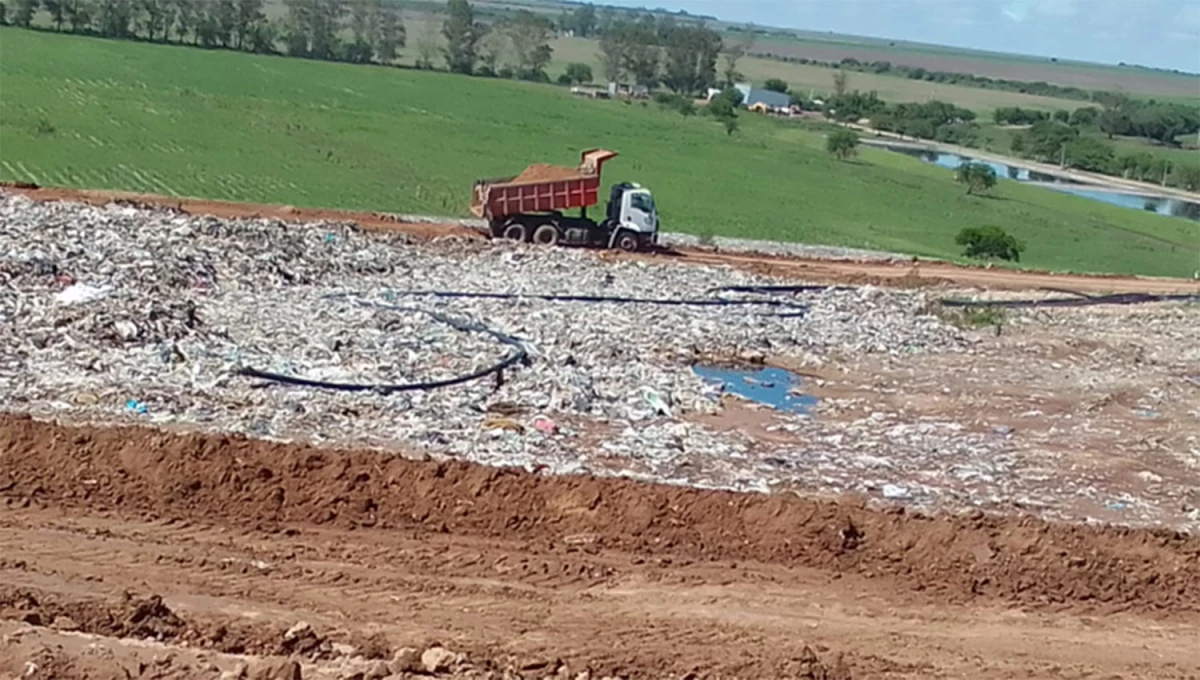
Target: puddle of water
column 773, row 387
column 1163, row 205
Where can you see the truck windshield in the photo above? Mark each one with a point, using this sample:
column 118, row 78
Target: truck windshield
column 642, row 202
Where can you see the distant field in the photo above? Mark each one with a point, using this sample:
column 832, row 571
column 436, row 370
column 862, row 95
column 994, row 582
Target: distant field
column 819, row 80
column 1012, row 67
column 87, row 112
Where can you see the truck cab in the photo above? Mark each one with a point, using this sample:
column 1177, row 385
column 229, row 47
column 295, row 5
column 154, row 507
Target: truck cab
column 632, row 217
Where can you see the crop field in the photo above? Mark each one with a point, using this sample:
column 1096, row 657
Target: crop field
column 82, row 112
column 1012, row 67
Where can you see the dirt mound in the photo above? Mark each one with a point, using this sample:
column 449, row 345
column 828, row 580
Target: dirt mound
column 139, row 618
column 255, row 483
column 544, row 172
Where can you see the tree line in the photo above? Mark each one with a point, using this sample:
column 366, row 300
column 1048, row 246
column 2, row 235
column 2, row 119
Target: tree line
column 1157, row 121
column 1067, row 138
column 311, row 28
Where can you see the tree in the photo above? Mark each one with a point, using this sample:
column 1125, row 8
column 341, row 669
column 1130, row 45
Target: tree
column 1062, row 116
column 840, row 81
column 187, row 19
column 579, row 73
column 249, row 19
column 979, row 177
column 491, row 49
column 462, row 35
column 57, row 12
column 776, row 85
column 389, row 35
column 113, row 18
column 1089, row 153
column 1085, row 116
column 530, row 34
column 23, row 11
column 724, row 108
column 733, row 55
column 1048, row 139
column 224, row 16
column 3, row 14
column 691, row 59
column 1186, row 177
column 311, row 28
column 155, row 15
column 583, row 21
column 612, row 53
column 842, row 143
column 985, row 243
column 641, row 54
column 428, row 47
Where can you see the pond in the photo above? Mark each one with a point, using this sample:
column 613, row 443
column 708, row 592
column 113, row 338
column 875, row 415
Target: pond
column 773, row 387
column 1162, row 205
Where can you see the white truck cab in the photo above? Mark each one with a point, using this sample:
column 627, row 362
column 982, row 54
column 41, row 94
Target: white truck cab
column 632, row 215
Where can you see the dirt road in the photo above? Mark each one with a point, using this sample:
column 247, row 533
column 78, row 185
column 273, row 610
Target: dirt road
column 242, row 539
column 907, row 274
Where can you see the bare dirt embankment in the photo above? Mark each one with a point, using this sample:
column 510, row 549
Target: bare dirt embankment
column 242, row 538
column 905, row 274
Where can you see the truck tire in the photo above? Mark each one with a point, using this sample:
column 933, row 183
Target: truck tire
column 546, row 235
column 516, row 232
column 629, row 242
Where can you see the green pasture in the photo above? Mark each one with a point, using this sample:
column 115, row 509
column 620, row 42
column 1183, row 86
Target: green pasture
column 86, row 112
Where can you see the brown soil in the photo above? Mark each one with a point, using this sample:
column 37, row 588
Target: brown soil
column 544, row 172
column 519, row 570
column 900, row 274
column 230, row 210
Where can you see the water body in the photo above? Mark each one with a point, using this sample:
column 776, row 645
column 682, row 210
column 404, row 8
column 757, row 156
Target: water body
column 1162, row 205
column 773, row 387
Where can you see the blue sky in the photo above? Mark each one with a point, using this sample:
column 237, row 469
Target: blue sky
column 1158, row 33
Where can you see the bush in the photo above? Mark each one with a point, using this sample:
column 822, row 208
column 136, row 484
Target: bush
column 979, row 177
column 776, row 85
column 985, row 243
column 842, row 143
column 579, row 73
column 565, row 79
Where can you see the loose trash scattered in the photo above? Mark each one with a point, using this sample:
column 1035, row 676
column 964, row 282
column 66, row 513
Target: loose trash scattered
column 242, row 326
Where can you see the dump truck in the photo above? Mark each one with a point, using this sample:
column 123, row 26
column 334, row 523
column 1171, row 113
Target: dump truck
column 530, row 207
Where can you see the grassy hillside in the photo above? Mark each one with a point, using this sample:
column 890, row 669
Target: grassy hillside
column 105, row 114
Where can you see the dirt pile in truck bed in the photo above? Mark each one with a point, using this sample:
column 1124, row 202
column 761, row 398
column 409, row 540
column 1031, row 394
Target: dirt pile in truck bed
column 247, row 481
column 544, row 172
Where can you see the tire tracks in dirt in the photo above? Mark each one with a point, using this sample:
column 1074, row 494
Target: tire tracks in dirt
column 617, row 576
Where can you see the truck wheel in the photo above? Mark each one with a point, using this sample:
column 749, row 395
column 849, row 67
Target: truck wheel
column 628, row 242
column 546, row 235
column 516, row 232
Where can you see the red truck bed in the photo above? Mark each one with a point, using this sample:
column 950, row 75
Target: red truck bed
column 541, row 188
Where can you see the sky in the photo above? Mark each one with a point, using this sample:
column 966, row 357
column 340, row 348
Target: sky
column 1156, row 33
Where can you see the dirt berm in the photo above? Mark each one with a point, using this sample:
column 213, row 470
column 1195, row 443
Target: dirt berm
column 244, row 482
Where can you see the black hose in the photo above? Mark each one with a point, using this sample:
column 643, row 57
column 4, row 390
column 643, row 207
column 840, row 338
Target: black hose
column 611, row 299
column 519, row 354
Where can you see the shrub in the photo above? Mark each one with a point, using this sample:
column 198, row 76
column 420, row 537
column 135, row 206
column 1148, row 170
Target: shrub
column 978, row 177
column 579, row 73
column 985, row 243
column 842, row 143
column 776, row 85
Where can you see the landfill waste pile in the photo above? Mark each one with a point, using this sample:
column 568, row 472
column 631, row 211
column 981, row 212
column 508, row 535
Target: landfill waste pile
column 321, row 333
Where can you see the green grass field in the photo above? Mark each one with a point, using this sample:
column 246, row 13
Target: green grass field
column 86, row 112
